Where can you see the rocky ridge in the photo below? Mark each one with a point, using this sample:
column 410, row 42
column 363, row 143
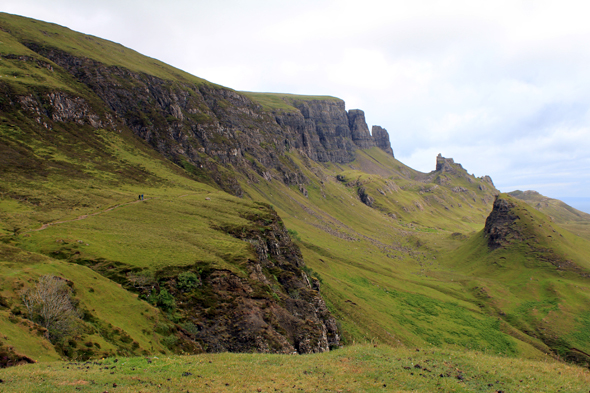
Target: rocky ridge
column 209, row 127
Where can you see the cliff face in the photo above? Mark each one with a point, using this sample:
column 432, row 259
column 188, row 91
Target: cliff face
column 359, row 130
column 276, row 308
column 219, row 135
column 381, row 137
column 320, row 129
column 212, row 127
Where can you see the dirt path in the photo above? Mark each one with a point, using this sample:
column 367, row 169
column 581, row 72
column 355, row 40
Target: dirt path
column 45, row 226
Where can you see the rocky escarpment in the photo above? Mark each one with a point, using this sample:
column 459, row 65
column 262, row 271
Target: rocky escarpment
column 63, row 107
column 321, row 130
column 499, row 229
column 269, row 303
column 327, row 133
column 275, row 308
column 211, row 127
column 446, row 168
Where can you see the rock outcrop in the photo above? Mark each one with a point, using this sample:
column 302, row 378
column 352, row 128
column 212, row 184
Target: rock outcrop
column 381, row 138
column 320, row 130
column 498, row 228
column 276, row 308
column 359, row 130
column 448, row 165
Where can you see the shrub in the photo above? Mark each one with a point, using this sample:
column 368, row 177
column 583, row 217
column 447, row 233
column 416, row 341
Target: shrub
column 190, row 328
column 165, row 300
column 169, row 342
column 187, row 281
column 50, row 305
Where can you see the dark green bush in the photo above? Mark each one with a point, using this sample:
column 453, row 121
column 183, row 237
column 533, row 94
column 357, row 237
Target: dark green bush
column 187, row 281
column 165, row 300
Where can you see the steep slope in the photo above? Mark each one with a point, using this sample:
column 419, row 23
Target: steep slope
column 204, row 127
column 270, row 222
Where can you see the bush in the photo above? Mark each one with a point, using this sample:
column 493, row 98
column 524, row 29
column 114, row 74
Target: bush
column 169, row 342
column 187, row 281
column 190, row 328
column 165, row 300
column 293, row 234
column 50, row 305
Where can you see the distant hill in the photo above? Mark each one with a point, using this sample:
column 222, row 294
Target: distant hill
column 568, row 217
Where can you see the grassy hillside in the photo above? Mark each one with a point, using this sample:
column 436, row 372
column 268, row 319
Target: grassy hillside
column 400, row 256
column 566, row 216
column 17, row 30
column 537, row 282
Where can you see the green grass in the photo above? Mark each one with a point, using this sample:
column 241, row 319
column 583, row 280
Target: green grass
column 353, row 369
column 81, row 45
column 112, row 312
column 566, row 216
column 282, row 101
column 185, row 233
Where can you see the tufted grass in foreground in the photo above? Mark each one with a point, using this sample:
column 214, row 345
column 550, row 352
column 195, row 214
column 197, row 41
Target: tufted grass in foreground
column 360, row 368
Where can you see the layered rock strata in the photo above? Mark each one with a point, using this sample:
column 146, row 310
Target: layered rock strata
column 212, row 127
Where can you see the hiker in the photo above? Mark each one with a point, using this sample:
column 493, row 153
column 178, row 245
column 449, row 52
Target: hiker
column 139, row 197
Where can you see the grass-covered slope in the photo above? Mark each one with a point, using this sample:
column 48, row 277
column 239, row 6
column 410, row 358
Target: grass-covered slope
column 566, row 216
column 282, row 101
column 532, row 275
column 398, row 256
column 379, row 260
column 17, row 32
column 81, row 207
column 113, row 321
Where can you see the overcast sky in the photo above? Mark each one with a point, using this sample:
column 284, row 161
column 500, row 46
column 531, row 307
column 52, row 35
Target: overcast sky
column 503, row 87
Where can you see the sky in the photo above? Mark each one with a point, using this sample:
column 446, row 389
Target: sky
column 502, row 87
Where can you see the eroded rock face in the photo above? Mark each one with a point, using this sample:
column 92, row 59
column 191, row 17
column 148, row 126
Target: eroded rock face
column 498, row 228
column 447, row 165
column 381, row 137
column 212, row 127
column 320, row 129
column 63, row 107
column 365, row 197
column 273, row 309
column 359, row 129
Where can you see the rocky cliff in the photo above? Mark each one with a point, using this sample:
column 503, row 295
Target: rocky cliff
column 381, row 137
column 271, row 302
column 211, row 127
column 275, row 308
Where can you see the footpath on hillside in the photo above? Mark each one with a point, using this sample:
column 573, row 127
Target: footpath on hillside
column 85, row 216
